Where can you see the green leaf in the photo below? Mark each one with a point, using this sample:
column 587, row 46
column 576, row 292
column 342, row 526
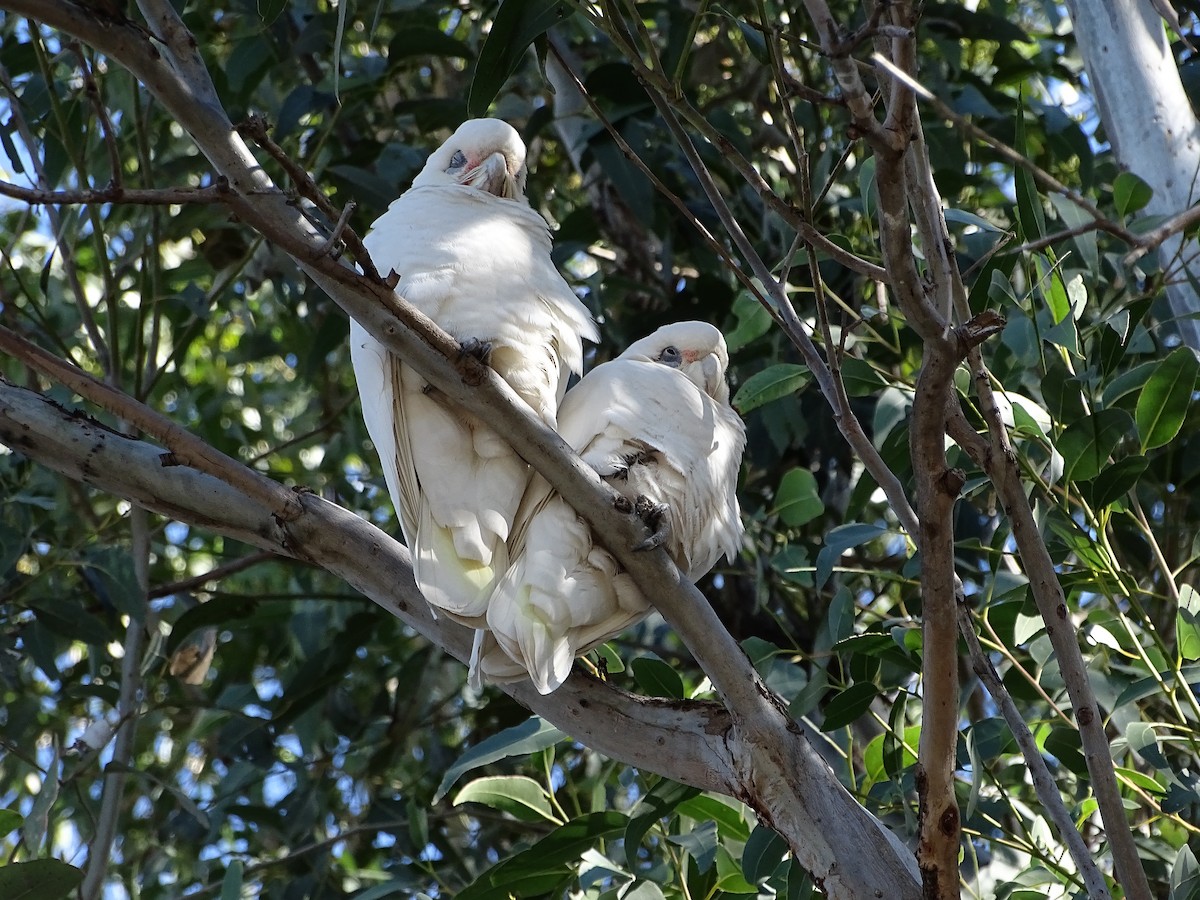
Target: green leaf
column 1031, row 218
column 1117, row 480
column 700, row 842
column 729, row 875
column 962, row 217
column 659, row 802
column 657, row 678
column 731, row 820
column 866, row 187
column 538, row 869
column 643, row 890
column 38, row 879
column 796, row 501
column 1086, row 445
column 846, row 706
column 1187, row 623
column 37, row 823
column 397, row 888
column 518, row 24
column 1130, row 193
column 1164, row 401
column 753, row 321
column 838, row 541
column 1064, row 743
column 1143, row 740
column 770, row 384
column 519, row 796
column 231, row 884
column 10, row 819
column 425, row 40
column 1185, row 875
column 530, row 736
column 763, row 853
column 860, row 378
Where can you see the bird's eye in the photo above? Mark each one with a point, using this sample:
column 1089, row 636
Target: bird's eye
column 670, row 356
column 458, row 160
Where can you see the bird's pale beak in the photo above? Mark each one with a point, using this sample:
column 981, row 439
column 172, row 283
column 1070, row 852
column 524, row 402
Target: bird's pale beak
column 711, row 367
column 492, row 175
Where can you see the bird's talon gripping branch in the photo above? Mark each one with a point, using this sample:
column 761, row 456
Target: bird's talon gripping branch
column 480, row 350
column 655, row 517
column 623, row 504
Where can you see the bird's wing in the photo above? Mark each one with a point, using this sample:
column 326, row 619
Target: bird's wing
column 377, row 373
column 689, row 446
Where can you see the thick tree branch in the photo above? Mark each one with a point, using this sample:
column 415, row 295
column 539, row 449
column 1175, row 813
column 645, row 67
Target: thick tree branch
column 937, row 490
column 684, row 741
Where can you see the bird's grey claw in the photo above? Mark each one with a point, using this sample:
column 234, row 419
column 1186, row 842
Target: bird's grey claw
column 481, row 350
column 654, row 515
column 623, row 504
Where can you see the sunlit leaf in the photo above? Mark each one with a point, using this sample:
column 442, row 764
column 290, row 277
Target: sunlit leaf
column 530, row 736
column 516, row 795
column 730, row 819
column 753, row 321
column 1187, row 623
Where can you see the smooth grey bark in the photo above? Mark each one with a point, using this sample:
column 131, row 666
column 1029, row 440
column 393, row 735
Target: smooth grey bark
column 1150, row 122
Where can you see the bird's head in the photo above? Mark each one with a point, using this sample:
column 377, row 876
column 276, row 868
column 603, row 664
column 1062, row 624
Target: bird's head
column 696, row 349
column 487, row 154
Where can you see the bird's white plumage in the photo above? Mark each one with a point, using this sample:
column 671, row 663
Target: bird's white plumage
column 654, row 424
column 474, row 257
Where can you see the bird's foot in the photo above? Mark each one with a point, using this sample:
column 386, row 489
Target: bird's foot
column 480, row 350
column 654, row 515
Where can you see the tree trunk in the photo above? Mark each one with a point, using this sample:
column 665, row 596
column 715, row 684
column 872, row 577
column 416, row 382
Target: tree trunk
column 1151, row 125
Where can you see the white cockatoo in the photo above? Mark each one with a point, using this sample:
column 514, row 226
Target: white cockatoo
column 657, row 425
column 474, row 257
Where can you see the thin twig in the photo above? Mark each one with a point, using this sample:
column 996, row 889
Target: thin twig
column 1039, row 773
column 108, row 134
column 128, row 706
column 216, row 573
column 215, row 193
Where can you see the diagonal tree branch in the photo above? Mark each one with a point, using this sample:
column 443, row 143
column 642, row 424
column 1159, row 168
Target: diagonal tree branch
column 681, row 741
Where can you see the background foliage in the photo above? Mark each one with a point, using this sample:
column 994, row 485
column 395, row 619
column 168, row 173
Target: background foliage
column 321, row 754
